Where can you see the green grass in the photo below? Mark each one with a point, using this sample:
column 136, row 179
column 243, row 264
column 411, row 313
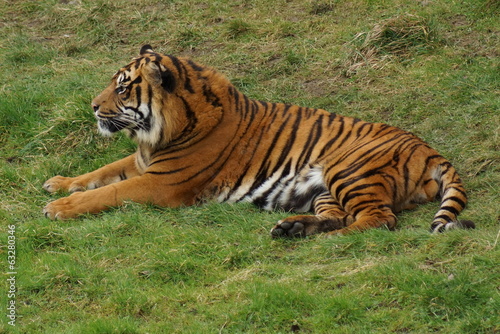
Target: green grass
column 214, row 268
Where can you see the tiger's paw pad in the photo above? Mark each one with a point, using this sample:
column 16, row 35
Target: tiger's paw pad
column 303, row 226
column 290, row 229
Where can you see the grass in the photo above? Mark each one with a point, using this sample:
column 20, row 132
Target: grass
column 401, row 36
column 214, row 268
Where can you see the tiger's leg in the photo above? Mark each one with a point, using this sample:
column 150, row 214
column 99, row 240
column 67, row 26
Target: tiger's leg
column 369, row 201
column 114, row 172
column 145, row 188
column 329, row 216
column 370, row 217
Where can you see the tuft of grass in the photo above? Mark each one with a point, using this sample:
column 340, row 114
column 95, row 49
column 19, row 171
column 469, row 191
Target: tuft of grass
column 237, row 28
column 396, row 37
column 320, row 8
column 492, row 6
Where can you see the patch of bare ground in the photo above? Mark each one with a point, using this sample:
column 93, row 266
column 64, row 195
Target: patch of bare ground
column 468, row 41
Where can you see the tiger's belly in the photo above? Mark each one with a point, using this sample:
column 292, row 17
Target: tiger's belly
column 294, row 191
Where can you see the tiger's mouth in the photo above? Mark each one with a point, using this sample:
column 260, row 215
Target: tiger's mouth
column 110, row 126
column 132, row 123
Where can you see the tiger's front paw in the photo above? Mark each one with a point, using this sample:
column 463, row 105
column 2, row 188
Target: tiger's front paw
column 61, row 183
column 65, row 208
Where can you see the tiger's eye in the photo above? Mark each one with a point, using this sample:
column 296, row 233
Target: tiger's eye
column 120, row 90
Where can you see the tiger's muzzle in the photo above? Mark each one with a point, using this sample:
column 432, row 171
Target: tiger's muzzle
column 108, row 124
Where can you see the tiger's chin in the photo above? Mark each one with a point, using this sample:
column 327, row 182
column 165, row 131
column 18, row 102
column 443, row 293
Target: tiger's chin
column 107, row 129
column 150, row 138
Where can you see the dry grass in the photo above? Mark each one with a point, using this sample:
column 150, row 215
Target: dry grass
column 396, row 37
column 493, row 6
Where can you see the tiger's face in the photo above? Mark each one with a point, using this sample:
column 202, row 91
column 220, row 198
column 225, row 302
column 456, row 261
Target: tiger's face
column 133, row 101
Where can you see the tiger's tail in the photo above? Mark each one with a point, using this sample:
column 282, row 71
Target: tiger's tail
column 453, row 200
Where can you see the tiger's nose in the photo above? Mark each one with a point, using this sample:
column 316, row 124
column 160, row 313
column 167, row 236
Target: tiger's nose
column 95, row 107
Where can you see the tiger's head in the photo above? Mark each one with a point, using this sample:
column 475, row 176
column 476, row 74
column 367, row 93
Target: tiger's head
column 156, row 98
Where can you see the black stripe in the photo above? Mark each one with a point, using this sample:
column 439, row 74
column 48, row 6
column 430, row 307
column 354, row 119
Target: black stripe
column 183, row 74
column 187, row 80
column 236, row 95
column 289, row 143
column 446, row 218
column 369, row 155
column 360, row 206
column 210, row 96
column 353, row 192
column 136, row 81
column 447, row 167
column 457, row 200
column 285, row 109
column 450, row 209
column 143, row 156
column 195, row 66
column 186, row 135
column 137, row 63
column 176, row 63
column 362, row 127
column 263, row 173
column 246, row 104
column 264, row 199
column 448, row 187
column 138, row 91
column 331, row 118
column 166, row 159
column 427, row 181
column 351, row 181
column 255, row 108
column 238, row 182
column 265, row 105
column 409, row 160
column 168, row 172
column 312, row 140
column 329, row 144
column 432, row 157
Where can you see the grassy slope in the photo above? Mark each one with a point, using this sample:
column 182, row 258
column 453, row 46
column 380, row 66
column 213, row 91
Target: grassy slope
column 214, row 268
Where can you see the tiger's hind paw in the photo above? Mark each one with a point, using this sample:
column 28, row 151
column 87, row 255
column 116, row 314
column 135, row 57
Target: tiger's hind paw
column 303, row 226
column 288, row 229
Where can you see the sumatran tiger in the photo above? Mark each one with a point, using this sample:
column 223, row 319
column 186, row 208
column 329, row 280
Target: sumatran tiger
column 200, row 139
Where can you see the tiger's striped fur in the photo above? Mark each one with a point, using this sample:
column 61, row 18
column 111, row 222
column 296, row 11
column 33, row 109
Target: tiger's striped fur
column 201, row 139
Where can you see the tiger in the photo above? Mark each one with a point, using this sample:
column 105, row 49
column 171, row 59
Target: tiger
column 200, row 139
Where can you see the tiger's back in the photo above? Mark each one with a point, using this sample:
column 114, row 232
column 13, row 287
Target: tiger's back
column 200, row 139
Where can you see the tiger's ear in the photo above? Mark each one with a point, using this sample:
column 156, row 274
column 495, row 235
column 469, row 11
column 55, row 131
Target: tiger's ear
column 159, row 75
column 145, row 49
column 167, row 80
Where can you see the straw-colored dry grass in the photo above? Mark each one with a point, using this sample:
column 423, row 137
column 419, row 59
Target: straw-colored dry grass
column 396, row 37
column 493, row 5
